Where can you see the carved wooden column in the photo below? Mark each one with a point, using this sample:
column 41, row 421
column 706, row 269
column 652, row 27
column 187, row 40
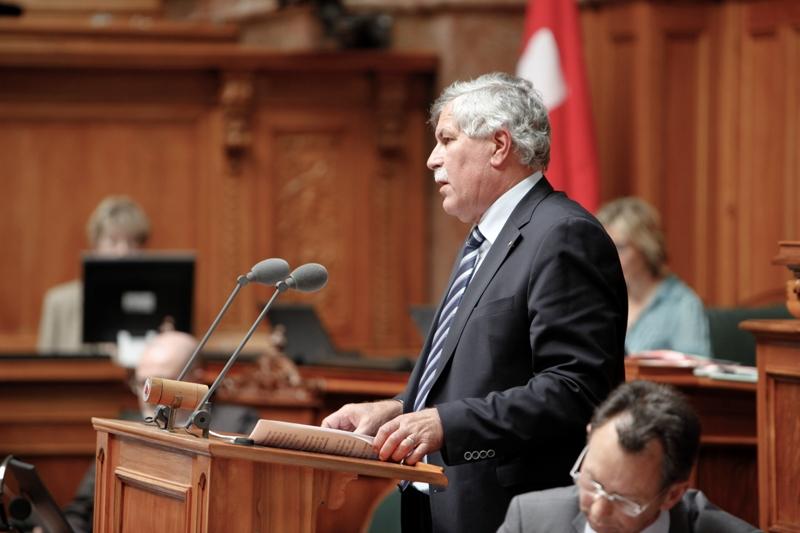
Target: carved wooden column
column 233, row 218
column 387, row 216
column 236, row 99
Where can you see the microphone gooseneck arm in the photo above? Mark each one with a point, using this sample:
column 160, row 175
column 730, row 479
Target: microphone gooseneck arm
column 241, row 281
column 267, row 272
column 234, row 356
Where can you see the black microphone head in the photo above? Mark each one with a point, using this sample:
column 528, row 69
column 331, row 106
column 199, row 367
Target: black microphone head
column 308, row 278
column 269, row 271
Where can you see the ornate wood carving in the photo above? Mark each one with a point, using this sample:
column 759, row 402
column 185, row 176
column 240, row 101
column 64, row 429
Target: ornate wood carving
column 236, row 98
column 314, row 223
column 274, row 376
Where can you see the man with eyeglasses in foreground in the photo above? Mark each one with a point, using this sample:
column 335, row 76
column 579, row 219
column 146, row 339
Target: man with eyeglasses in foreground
column 632, row 476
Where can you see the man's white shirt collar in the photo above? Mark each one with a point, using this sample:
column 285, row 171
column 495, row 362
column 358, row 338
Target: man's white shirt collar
column 497, row 215
column 661, row 525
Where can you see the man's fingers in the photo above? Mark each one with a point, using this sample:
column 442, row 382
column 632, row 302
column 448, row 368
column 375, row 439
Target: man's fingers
column 404, row 449
column 390, row 446
column 383, row 434
column 416, row 454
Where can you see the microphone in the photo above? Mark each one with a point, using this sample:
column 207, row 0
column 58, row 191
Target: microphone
column 268, row 272
column 305, row 278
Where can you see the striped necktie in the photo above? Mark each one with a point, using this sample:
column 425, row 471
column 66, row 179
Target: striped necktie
column 463, row 275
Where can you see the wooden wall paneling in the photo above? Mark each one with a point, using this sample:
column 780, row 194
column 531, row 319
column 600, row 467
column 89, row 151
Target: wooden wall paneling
column 343, row 191
column 723, row 213
column 69, row 152
column 647, row 121
column 413, row 204
column 680, row 102
column 768, row 92
column 313, row 172
column 386, row 311
column 617, row 99
column 184, row 129
column 397, row 265
column 231, row 201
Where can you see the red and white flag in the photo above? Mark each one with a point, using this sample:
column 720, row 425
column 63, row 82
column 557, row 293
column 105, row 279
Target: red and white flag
column 553, row 60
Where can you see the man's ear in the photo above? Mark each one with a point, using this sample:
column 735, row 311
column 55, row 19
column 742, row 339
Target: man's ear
column 502, row 147
column 674, row 494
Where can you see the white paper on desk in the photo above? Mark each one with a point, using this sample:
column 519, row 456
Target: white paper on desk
column 307, row 438
column 729, row 372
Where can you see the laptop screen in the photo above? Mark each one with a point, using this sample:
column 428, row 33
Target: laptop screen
column 306, row 338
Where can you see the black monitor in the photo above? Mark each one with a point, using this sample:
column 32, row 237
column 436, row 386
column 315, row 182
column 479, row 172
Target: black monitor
column 136, row 294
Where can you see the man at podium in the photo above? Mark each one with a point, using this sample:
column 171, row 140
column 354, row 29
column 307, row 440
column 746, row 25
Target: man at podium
column 529, row 336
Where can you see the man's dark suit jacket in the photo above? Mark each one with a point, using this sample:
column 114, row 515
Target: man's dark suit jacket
column 537, row 342
column 558, row 510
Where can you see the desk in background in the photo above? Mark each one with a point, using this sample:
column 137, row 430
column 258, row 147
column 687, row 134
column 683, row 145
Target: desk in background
column 46, row 406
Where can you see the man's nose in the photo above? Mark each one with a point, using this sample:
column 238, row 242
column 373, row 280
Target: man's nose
column 600, row 507
column 435, row 159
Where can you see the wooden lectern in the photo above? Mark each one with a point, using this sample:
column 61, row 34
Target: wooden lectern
column 778, row 356
column 149, row 479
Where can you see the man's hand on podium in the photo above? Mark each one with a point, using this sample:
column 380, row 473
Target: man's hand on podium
column 365, row 418
column 410, row 437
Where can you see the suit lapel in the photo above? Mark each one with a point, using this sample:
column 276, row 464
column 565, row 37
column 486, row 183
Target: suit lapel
column 678, row 518
column 505, row 243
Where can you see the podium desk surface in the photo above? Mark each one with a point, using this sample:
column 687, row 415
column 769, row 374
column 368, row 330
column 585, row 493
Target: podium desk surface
column 218, row 448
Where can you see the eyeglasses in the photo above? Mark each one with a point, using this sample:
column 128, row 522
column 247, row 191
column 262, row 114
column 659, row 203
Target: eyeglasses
column 596, row 490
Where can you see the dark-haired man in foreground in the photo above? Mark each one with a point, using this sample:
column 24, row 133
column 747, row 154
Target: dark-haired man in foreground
column 632, row 477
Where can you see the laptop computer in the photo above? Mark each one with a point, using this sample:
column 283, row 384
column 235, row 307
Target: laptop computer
column 307, row 342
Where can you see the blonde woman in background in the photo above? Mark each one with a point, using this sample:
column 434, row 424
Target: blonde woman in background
column 663, row 312
column 117, row 227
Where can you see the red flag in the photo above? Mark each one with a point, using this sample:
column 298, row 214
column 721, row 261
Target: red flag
column 553, row 60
